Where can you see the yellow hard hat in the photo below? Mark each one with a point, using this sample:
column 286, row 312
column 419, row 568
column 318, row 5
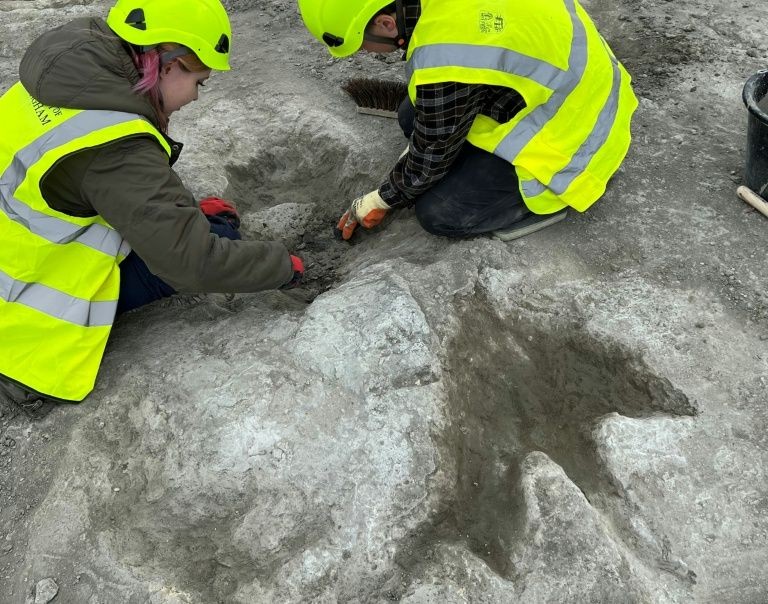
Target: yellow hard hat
column 200, row 25
column 339, row 24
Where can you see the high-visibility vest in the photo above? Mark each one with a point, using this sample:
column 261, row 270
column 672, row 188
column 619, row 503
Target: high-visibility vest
column 574, row 131
column 59, row 274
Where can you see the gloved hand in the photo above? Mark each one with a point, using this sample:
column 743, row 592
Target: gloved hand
column 368, row 210
column 298, row 273
column 215, row 206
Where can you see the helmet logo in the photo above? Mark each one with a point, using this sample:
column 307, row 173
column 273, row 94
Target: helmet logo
column 332, row 40
column 223, row 44
column 136, row 19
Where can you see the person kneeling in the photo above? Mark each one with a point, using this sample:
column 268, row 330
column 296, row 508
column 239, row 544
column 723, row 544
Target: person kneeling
column 95, row 222
column 516, row 111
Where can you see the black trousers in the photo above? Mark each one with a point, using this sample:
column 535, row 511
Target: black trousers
column 479, row 194
column 138, row 286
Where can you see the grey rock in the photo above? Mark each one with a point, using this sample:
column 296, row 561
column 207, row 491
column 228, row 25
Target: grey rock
column 45, row 591
column 429, row 420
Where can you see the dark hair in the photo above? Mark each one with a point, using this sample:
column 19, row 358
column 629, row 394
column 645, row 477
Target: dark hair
column 389, row 8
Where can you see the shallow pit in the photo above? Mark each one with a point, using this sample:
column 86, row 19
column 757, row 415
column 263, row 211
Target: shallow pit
column 513, row 387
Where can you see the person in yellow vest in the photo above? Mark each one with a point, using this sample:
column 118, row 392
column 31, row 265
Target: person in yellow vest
column 93, row 219
column 516, row 111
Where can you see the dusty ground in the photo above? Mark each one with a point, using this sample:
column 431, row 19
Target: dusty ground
column 670, row 258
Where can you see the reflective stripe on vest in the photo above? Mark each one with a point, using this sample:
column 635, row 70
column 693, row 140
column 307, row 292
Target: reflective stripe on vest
column 484, row 57
column 449, row 59
column 57, row 304
column 48, row 227
column 563, row 179
column 59, row 274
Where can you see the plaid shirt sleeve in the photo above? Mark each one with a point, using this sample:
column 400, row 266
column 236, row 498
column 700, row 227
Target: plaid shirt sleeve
column 444, row 116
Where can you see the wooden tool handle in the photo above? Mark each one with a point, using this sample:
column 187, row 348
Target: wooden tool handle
column 753, row 199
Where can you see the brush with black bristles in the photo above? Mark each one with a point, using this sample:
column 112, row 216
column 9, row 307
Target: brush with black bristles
column 376, row 97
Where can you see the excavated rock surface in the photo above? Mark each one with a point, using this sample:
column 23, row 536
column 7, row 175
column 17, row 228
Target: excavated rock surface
column 577, row 416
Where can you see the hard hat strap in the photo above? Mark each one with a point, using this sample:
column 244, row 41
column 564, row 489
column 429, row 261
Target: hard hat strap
column 402, row 38
column 381, row 40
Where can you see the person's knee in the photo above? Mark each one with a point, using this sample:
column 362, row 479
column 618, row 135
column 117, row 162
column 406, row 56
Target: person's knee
column 138, row 286
column 434, row 221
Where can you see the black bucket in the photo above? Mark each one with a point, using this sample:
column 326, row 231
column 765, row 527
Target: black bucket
column 756, row 175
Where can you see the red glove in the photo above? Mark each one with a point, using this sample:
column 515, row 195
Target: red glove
column 298, row 273
column 215, row 206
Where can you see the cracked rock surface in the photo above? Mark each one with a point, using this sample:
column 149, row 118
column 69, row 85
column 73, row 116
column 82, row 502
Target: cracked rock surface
column 576, row 416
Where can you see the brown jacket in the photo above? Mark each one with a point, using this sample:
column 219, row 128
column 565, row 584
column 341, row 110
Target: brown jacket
column 130, row 183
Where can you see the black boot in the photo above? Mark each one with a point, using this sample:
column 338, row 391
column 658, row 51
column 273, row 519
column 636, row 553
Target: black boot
column 33, row 405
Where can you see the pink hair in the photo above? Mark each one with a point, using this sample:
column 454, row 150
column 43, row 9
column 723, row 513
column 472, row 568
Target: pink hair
column 148, row 65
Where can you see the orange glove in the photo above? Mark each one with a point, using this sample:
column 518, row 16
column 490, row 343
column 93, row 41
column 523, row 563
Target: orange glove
column 368, row 210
